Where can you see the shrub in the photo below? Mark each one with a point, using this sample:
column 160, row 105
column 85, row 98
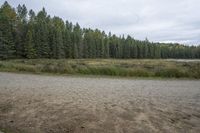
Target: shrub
column 128, row 68
column 170, row 72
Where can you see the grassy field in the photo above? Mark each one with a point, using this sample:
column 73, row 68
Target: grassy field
column 111, row 67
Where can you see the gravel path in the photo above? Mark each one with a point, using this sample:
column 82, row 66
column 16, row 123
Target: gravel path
column 56, row 104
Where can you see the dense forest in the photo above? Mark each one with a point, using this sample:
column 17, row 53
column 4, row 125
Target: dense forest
column 25, row 34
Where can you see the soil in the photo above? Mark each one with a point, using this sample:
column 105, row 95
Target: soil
column 56, row 104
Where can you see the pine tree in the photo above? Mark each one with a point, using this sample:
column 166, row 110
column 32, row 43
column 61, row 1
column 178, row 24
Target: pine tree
column 67, row 41
column 57, row 41
column 40, row 36
column 7, row 23
column 106, row 47
column 77, row 41
column 29, row 50
column 21, row 30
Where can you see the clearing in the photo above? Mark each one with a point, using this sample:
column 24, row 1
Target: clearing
column 61, row 104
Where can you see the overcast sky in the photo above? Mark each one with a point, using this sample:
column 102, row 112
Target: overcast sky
column 158, row 20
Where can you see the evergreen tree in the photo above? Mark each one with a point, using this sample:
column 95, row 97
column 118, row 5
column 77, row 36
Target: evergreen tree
column 29, row 51
column 77, row 41
column 7, row 30
column 57, row 38
column 68, row 46
column 21, row 30
column 40, row 36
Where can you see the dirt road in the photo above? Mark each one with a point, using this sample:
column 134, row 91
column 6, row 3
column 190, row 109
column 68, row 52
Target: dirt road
column 55, row 104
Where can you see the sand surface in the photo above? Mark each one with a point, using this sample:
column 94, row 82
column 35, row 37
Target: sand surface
column 56, row 104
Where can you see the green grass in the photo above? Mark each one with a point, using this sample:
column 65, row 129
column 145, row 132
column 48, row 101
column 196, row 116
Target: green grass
column 111, row 67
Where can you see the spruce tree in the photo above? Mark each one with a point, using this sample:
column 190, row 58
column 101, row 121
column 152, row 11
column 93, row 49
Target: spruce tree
column 7, row 23
column 41, row 36
column 28, row 48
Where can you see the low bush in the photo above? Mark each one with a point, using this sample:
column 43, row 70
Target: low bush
column 170, row 72
column 126, row 68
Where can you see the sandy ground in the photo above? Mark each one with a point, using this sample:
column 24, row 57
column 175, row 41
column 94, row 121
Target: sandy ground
column 53, row 104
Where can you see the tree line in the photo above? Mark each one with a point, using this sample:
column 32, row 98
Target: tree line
column 25, row 34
